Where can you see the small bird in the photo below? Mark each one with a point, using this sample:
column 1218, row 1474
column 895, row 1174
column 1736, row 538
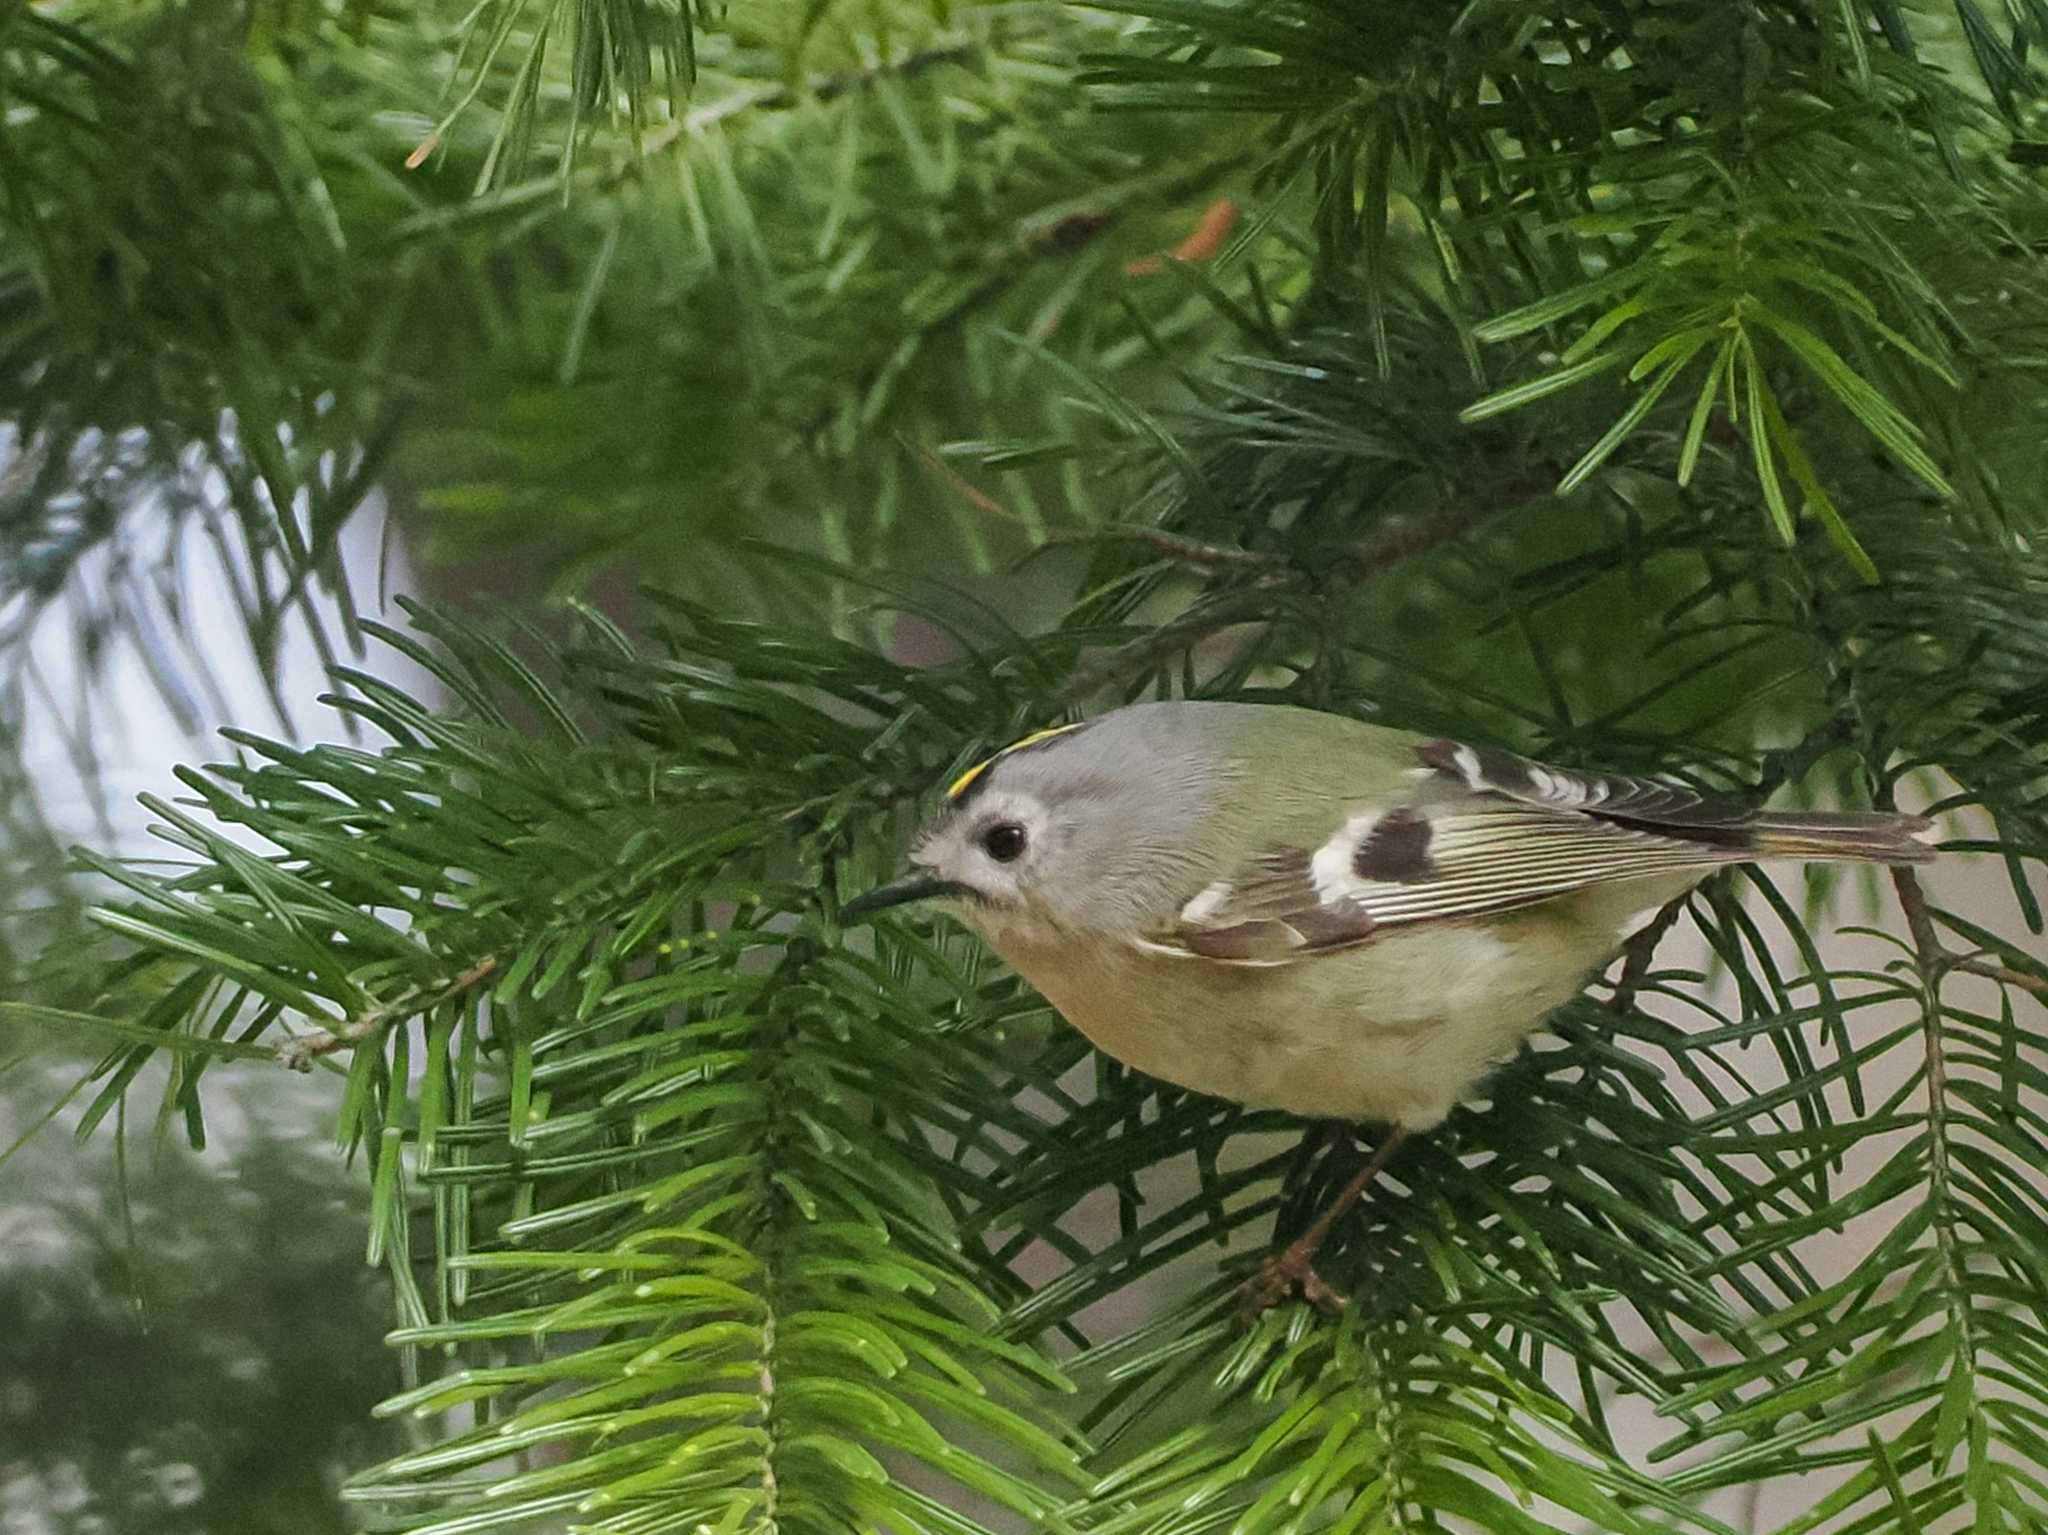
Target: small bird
column 1295, row 910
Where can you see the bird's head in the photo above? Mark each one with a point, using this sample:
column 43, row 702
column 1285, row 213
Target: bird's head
column 1079, row 830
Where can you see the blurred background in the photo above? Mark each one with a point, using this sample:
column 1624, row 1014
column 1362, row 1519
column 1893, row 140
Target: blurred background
column 191, row 1336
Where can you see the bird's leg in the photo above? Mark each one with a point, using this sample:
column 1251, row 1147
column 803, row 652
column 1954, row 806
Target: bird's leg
column 1293, row 1267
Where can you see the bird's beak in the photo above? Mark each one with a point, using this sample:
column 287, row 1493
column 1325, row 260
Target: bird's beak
column 898, row 894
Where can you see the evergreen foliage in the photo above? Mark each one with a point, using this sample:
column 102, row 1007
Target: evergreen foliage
column 1656, row 384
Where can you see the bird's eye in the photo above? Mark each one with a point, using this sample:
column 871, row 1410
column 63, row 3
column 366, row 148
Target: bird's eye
column 1004, row 842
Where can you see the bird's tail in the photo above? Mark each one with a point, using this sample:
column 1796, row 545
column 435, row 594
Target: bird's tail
column 1856, row 836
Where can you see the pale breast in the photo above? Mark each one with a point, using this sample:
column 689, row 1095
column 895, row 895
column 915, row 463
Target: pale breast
column 1395, row 1031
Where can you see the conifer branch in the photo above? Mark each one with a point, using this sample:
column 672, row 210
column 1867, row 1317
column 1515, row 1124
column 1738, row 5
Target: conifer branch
column 701, row 1212
column 298, row 1054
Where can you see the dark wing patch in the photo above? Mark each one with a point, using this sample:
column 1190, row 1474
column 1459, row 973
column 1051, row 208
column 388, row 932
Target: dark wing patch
column 1396, row 849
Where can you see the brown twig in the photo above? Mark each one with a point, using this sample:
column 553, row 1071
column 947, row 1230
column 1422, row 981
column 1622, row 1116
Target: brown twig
column 1913, row 902
column 1641, row 948
column 1936, row 958
column 300, row 1052
column 1930, row 959
column 1185, row 551
column 2038, row 985
column 1404, row 539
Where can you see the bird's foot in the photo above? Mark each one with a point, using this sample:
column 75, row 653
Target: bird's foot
column 1289, row 1272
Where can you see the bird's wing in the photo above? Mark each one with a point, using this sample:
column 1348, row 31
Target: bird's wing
column 1486, row 831
column 1647, row 802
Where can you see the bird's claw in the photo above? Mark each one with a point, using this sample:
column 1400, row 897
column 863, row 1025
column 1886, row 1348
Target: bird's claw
column 1289, row 1272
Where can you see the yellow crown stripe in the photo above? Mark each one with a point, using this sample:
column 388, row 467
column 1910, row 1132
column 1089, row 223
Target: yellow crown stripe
column 960, row 785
